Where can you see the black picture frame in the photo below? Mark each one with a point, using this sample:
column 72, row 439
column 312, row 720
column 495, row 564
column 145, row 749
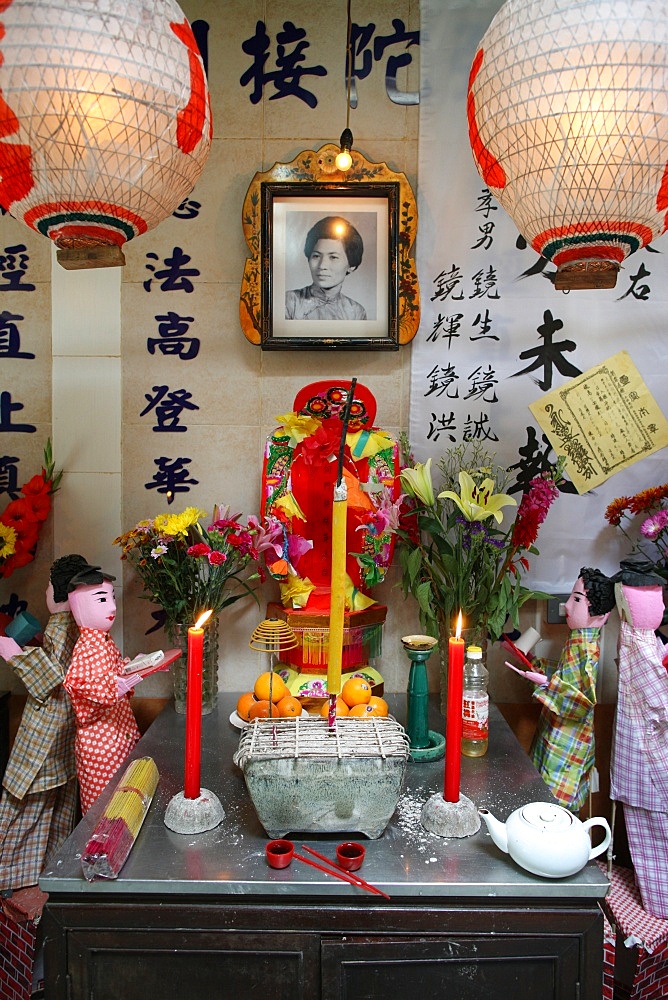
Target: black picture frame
column 284, row 304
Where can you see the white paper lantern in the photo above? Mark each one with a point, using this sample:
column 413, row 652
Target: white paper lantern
column 105, row 121
column 568, row 122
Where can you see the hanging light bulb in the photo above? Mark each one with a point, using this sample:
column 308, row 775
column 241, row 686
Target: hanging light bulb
column 568, row 122
column 344, row 160
column 107, row 122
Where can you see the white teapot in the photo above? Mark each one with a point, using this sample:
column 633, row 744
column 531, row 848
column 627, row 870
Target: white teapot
column 546, row 839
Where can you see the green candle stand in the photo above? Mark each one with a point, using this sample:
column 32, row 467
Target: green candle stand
column 425, row 743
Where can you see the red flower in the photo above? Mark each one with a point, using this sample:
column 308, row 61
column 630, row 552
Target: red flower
column 38, row 506
column 615, row 510
column 36, row 485
column 199, row 550
column 320, row 446
column 533, row 510
column 17, row 513
column 217, row 558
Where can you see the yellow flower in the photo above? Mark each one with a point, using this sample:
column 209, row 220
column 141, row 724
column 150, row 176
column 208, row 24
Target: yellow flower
column 7, row 541
column 178, row 524
column 418, row 483
column 479, row 502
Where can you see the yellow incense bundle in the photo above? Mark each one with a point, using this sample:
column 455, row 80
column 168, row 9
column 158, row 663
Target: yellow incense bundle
column 114, row 835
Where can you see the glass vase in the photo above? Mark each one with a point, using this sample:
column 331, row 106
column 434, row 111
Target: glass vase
column 474, row 636
column 178, row 636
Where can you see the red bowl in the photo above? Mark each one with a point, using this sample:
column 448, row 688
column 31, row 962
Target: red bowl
column 350, row 856
column 279, row 853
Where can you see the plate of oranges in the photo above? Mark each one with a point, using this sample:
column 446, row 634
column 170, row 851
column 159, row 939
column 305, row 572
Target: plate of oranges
column 271, row 699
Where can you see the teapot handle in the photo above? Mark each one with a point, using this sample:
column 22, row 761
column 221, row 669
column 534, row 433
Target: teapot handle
column 598, row 821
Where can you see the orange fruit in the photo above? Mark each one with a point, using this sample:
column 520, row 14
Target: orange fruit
column 262, row 684
column 341, row 708
column 364, row 711
column 262, row 710
column 381, row 706
column 356, row 691
column 289, row 707
column 244, row 705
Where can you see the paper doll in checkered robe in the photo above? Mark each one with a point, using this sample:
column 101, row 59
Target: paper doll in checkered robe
column 106, row 730
column 639, row 766
column 37, row 809
column 563, row 745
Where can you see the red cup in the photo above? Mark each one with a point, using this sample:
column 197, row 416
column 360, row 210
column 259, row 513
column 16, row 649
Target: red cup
column 350, row 856
column 279, row 853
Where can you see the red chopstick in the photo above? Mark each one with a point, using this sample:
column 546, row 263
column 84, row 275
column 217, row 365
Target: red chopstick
column 351, row 877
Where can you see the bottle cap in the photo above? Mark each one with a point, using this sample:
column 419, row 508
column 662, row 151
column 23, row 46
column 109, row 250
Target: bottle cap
column 475, row 652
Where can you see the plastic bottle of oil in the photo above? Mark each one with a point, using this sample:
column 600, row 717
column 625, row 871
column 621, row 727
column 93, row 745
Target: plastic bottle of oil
column 475, row 704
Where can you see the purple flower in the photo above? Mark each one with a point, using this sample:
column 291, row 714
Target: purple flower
column 654, row 525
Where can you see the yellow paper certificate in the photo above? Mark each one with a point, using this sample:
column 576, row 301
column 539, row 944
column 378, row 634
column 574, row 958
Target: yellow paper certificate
column 602, row 421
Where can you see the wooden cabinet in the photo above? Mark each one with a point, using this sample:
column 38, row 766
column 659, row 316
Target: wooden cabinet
column 135, row 951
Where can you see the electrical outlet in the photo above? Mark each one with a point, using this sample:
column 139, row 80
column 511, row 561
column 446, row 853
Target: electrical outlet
column 556, row 609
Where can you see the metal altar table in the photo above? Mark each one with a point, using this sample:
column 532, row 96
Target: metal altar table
column 205, row 916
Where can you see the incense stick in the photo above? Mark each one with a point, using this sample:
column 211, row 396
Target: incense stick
column 354, row 875
column 111, row 842
column 339, row 873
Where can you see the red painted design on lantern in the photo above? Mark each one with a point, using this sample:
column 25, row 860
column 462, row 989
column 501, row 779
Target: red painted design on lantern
column 492, row 172
column 190, row 120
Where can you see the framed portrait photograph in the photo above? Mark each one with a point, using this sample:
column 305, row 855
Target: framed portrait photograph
column 330, row 263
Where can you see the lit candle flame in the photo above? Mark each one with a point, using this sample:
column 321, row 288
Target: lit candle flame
column 204, row 617
column 458, row 632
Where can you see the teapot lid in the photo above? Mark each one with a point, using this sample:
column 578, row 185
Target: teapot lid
column 547, row 817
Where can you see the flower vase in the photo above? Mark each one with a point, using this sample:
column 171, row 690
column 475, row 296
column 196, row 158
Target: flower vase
column 474, row 636
column 178, row 636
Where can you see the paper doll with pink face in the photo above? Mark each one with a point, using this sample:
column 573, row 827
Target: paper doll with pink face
column 106, row 727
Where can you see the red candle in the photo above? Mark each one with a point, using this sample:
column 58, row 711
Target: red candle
column 453, row 732
column 192, row 789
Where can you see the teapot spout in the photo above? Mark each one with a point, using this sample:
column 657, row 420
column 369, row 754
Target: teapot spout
column 496, row 829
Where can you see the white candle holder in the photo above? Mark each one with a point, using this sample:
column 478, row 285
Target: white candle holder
column 198, row 815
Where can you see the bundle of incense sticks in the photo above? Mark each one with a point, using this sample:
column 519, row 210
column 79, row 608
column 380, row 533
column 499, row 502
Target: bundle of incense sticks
column 117, row 829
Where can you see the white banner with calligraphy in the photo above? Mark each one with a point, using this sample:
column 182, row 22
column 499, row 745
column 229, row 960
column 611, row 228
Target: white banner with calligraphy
column 495, row 337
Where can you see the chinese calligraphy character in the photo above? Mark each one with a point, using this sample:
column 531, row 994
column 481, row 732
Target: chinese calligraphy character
column 172, row 329
column 175, row 276
column 442, row 425
column 9, row 482
column 485, row 324
column 13, row 267
column 171, row 477
column 360, row 38
column 10, row 338
column 533, row 463
column 6, row 408
column 485, row 239
column 168, row 407
column 641, row 292
column 446, row 282
column 481, row 383
column 14, row 606
column 549, row 354
column 188, row 209
column 288, row 75
column 440, row 380
column 478, row 429
column 485, row 204
column 450, row 326
column 484, row 284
